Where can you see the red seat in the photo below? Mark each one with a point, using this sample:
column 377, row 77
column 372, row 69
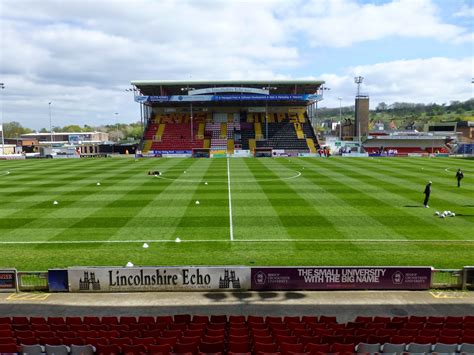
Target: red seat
column 109, row 320
column 147, row 319
column 364, row 319
column 154, row 333
column 72, row 340
column 265, row 347
column 291, row 319
column 287, row 348
column 216, row 326
column 24, row 333
column 91, row 320
column 422, row 339
column 194, row 332
column 238, row 346
column 159, row 348
column 400, row 339
column 238, row 331
column 182, row 318
column 40, row 327
column 340, row 347
column 26, row 340
column 273, row 319
column 95, row 341
column 328, row 319
column 454, row 320
column 429, row 332
column 129, row 320
column 120, row 341
column 290, row 339
column 255, row 319
column 309, row 319
column 129, row 333
column 200, row 319
column 107, row 334
column 73, row 320
column 50, row 341
column 133, row 349
column 37, row 320
column 144, row 341
column 306, row 339
column 10, row 348
column 448, row 339
column 236, row 319
column 218, row 318
column 185, row 347
column 314, row 348
column 7, row 340
column 379, row 319
column 167, row 340
column 66, row 334
column 176, row 333
column 417, row 319
column 263, row 339
column 7, row 333
column 5, row 320
column 107, row 349
column 434, row 319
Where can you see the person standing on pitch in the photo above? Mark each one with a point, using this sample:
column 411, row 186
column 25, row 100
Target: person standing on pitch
column 459, row 176
column 427, row 193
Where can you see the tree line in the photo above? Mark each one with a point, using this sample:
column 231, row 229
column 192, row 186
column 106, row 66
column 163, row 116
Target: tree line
column 117, row 132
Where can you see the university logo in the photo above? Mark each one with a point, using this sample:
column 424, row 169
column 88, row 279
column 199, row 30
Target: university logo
column 89, row 282
column 229, row 278
column 397, row 278
column 260, row 278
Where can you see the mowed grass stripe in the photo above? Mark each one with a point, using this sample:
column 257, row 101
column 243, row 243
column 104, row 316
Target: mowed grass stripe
column 381, row 203
column 105, row 221
column 409, row 189
column 254, row 216
column 209, row 218
column 300, row 219
column 419, row 174
column 48, row 215
column 344, row 216
column 57, row 220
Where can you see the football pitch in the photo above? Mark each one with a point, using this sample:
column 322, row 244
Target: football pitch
column 237, row 211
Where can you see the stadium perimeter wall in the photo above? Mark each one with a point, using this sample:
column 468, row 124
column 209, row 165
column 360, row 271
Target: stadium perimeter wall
column 234, row 278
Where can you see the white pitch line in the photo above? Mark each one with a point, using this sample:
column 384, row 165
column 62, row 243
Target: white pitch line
column 243, row 241
column 230, row 202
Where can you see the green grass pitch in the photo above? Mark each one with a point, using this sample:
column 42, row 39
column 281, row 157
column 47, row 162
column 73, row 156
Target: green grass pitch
column 298, row 211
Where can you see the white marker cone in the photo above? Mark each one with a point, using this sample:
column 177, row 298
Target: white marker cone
column 205, row 183
column 98, row 184
column 197, row 202
column 129, row 264
column 145, row 245
column 55, row 202
column 177, row 240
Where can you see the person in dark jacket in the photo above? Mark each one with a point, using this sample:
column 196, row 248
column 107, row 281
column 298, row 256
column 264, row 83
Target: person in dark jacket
column 427, row 193
column 459, row 177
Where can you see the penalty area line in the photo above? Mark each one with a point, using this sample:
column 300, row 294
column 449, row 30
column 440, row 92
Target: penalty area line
column 401, row 241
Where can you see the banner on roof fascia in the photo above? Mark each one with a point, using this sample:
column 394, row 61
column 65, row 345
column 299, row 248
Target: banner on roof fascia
column 124, row 279
column 7, row 280
column 196, row 98
column 341, row 278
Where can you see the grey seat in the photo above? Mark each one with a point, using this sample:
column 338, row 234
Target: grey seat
column 368, row 348
column 56, row 350
column 417, row 348
column 32, row 349
column 448, row 349
column 466, row 348
column 82, row 350
column 390, row 348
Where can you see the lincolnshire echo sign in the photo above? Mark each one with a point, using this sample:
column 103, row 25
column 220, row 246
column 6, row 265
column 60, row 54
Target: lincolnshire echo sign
column 341, row 278
column 119, row 279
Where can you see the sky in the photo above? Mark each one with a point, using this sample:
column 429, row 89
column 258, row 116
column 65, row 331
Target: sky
column 81, row 55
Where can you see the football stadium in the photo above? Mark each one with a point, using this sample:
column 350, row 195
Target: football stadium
column 233, row 206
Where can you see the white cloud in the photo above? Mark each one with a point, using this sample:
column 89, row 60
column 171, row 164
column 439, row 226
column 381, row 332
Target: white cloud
column 343, row 23
column 82, row 54
column 465, row 11
column 439, row 80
